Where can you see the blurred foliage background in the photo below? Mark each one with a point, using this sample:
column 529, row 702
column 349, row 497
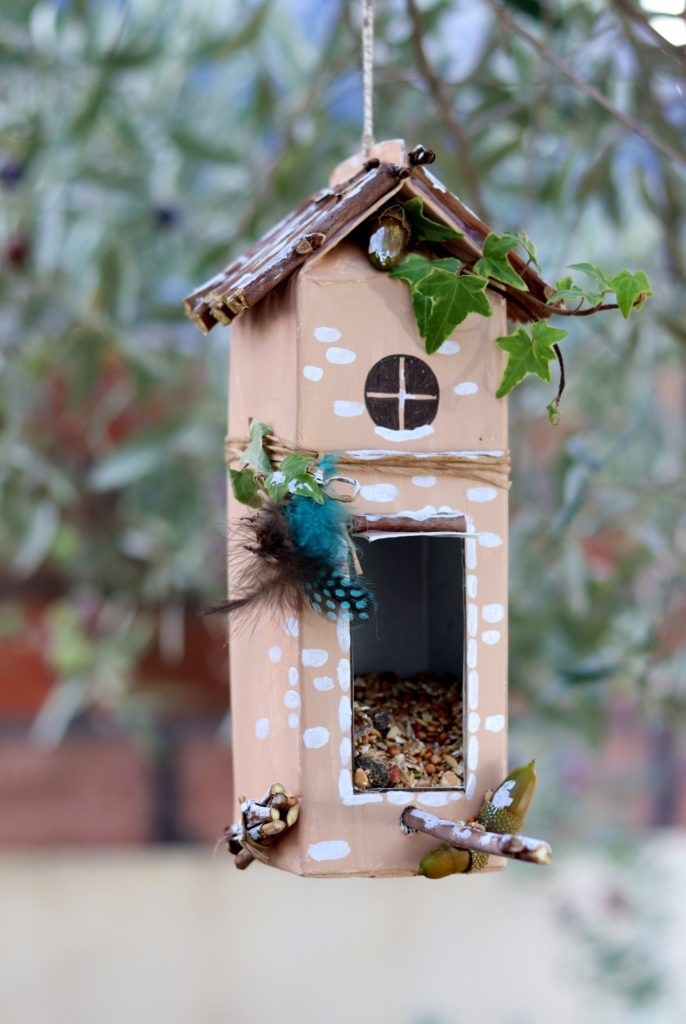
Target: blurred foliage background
column 142, row 144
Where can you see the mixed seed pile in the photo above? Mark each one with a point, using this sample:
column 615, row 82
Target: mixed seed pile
column 407, row 733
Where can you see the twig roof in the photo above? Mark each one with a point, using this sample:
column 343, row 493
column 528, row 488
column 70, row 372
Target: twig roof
column 325, row 219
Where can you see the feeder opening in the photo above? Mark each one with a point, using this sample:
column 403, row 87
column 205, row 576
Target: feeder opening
column 408, row 665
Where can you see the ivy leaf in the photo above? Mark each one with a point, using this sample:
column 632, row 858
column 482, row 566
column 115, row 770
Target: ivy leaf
column 306, row 486
column 423, row 228
column 414, row 267
column 528, row 353
column 245, row 487
column 255, row 455
column 295, row 465
column 494, row 262
column 595, row 272
column 528, row 247
column 441, row 300
column 567, row 291
column 631, row 290
column 448, row 300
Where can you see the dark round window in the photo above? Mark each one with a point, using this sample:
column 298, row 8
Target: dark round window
column 401, row 393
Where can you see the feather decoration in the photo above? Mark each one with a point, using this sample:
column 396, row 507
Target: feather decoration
column 294, row 550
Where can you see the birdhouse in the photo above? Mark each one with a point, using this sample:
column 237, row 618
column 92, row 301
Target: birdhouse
column 404, row 702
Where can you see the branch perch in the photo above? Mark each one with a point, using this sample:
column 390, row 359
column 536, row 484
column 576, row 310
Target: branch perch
column 468, row 837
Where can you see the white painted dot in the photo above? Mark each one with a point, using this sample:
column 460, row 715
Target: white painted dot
column 492, row 612
column 326, row 334
column 292, row 699
column 494, row 723
column 448, row 348
column 293, row 721
column 473, row 753
column 313, row 373
column 345, row 750
column 435, row 799
column 345, row 784
column 345, row 714
column 275, row 653
column 262, row 728
column 467, row 387
column 323, row 683
column 314, row 657
column 291, row 626
column 473, row 722
column 341, row 356
column 490, row 540
column 343, row 632
column 472, row 619
column 398, row 796
column 423, row 481
column 328, row 849
column 472, row 584
column 479, row 494
column 471, row 786
column 471, row 653
column 293, row 676
column 317, row 736
column 470, row 553
column 348, row 409
column 473, row 689
column 379, row 492
column 404, row 435
column 343, row 673
column 491, row 636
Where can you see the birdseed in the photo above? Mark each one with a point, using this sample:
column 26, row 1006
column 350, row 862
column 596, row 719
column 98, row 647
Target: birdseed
column 407, row 733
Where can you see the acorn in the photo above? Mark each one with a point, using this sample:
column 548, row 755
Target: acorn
column 505, row 811
column 389, row 239
column 444, row 861
column 507, row 808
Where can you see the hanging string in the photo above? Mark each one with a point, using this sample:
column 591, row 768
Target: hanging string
column 368, row 76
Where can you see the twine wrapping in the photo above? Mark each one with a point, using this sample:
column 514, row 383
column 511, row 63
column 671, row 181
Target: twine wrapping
column 487, row 469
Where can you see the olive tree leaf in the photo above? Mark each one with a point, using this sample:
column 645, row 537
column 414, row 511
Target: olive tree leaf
column 255, row 455
column 528, row 352
column 494, row 262
column 245, row 487
column 423, row 228
column 631, row 290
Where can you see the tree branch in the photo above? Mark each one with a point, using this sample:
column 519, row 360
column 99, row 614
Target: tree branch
column 547, row 55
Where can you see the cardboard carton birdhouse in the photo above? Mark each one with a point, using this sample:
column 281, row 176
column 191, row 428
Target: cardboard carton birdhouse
column 386, row 688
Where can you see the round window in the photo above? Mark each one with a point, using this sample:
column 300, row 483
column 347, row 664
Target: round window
column 401, row 393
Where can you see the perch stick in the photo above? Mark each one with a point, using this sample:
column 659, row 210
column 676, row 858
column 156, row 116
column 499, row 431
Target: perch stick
column 467, row 837
column 404, row 524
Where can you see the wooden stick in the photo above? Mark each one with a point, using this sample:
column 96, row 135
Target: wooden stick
column 404, row 524
column 467, row 837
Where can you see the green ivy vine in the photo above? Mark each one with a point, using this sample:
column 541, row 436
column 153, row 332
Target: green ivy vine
column 445, row 290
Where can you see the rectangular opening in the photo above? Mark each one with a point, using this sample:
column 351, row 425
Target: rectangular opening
column 408, row 665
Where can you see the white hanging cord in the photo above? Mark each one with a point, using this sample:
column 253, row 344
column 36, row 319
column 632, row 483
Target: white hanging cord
column 368, row 76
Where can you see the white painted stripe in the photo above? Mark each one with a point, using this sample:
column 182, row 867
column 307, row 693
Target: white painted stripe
column 341, row 356
column 313, row 373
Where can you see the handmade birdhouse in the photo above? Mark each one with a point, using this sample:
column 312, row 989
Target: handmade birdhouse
column 390, row 689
